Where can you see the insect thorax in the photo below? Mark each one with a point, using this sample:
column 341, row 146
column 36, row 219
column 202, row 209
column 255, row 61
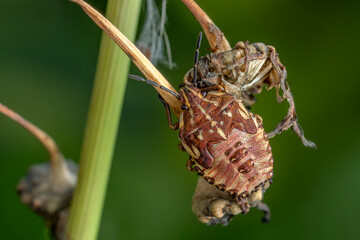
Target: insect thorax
column 242, row 70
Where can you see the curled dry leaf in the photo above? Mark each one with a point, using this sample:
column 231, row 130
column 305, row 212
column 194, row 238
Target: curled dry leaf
column 48, row 187
column 139, row 59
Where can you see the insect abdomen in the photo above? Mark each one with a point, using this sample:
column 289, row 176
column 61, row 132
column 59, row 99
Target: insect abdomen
column 241, row 163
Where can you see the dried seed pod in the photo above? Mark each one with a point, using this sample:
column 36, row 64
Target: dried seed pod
column 48, row 187
column 47, row 190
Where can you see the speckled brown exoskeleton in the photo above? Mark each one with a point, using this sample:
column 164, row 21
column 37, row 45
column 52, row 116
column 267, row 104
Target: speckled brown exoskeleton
column 227, row 144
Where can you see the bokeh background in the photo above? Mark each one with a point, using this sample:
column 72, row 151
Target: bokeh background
column 48, row 52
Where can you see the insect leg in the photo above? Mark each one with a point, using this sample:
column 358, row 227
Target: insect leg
column 181, row 147
column 216, row 88
column 168, row 114
column 189, row 165
column 167, row 107
column 266, row 210
column 153, row 84
column 197, row 59
column 291, row 120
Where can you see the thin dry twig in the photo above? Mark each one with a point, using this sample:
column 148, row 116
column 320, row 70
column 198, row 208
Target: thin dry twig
column 49, row 144
column 139, row 59
column 216, row 38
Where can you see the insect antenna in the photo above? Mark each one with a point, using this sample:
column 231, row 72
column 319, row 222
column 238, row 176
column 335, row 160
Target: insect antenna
column 153, row 84
column 198, row 43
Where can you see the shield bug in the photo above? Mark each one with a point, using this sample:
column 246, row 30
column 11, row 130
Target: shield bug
column 226, row 143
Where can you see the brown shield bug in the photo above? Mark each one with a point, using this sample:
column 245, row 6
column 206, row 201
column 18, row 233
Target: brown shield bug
column 227, row 144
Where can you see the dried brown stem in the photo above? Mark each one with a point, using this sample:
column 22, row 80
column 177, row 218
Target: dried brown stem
column 140, row 60
column 215, row 36
column 56, row 157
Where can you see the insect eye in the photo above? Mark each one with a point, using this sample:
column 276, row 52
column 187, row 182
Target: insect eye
column 184, row 107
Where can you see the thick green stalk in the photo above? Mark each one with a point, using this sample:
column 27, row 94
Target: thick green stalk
column 102, row 124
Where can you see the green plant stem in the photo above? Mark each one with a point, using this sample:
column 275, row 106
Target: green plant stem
column 102, row 124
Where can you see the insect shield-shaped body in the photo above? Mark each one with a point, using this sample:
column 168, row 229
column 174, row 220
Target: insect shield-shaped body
column 227, row 144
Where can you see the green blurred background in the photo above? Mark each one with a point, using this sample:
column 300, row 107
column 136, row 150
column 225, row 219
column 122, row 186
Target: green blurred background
column 48, row 52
